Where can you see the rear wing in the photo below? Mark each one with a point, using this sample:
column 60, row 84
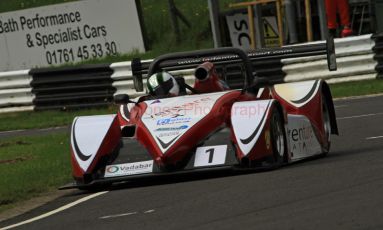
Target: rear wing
column 239, row 68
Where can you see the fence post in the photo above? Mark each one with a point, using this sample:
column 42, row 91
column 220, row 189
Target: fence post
column 214, row 21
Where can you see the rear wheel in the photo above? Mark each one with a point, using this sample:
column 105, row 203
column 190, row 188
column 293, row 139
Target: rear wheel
column 326, row 124
column 278, row 137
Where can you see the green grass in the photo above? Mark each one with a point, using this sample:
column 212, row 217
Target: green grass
column 11, row 5
column 357, row 88
column 45, row 119
column 30, row 166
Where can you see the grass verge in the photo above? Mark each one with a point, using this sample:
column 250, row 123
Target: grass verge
column 46, row 119
column 357, row 88
column 30, row 166
column 6, row 6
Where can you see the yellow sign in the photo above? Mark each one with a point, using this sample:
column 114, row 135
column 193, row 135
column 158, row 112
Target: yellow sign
column 270, row 35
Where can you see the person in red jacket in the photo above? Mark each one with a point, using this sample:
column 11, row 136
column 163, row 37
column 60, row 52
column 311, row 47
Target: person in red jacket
column 341, row 6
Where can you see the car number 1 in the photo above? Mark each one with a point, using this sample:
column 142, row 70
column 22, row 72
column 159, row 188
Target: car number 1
column 210, row 155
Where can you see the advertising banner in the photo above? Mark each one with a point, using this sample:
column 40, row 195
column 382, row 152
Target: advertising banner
column 68, row 33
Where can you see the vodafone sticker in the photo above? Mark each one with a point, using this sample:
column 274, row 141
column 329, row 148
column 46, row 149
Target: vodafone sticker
column 129, row 169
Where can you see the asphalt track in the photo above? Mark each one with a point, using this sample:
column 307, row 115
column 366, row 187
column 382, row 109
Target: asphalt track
column 341, row 191
column 33, row 132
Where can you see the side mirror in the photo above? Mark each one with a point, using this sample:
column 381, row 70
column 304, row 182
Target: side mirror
column 120, row 99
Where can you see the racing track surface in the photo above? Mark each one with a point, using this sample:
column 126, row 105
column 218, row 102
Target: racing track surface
column 341, row 191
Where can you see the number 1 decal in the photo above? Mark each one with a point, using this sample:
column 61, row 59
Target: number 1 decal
column 210, row 155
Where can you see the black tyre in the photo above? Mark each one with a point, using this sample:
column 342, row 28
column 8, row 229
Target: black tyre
column 327, row 125
column 278, row 137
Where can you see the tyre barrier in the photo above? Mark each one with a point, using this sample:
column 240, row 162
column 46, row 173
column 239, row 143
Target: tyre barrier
column 73, row 87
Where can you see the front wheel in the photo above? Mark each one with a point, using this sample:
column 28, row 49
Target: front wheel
column 278, row 137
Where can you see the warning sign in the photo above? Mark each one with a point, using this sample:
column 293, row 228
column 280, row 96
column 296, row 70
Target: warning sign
column 239, row 31
column 270, row 31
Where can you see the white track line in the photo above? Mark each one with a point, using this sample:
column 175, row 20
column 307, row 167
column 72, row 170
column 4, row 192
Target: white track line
column 118, row 215
column 357, row 97
column 24, row 130
column 360, row 116
column 126, row 214
column 56, row 210
column 149, row 211
column 340, row 106
column 372, row 138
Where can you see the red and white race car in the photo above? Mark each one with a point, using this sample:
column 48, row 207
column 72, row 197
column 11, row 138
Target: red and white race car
column 254, row 124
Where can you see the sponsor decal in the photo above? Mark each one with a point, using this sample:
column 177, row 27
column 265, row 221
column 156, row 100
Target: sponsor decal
column 169, row 134
column 129, row 169
column 171, row 128
column 176, row 120
column 173, row 117
column 301, row 137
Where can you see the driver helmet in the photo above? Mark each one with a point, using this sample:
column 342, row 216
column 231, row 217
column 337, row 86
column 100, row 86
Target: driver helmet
column 163, row 84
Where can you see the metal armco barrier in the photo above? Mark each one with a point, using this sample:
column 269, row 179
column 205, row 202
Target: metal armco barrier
column 122, row 78
column 358, row 58
column 74, row 87
column 378, row 50
column 355, row 60
column 15, row 91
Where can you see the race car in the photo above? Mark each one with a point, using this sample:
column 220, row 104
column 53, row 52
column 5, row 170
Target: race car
column 253, row 124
